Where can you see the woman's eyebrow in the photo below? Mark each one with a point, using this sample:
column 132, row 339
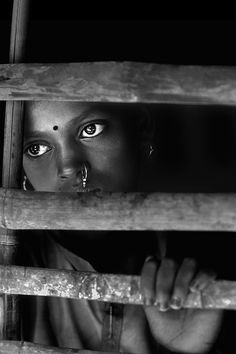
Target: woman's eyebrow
column 35, row 134
column 87, row 114
column 90, row 113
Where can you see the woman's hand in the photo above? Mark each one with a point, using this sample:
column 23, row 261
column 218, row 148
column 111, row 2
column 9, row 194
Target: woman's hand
column 166, row 286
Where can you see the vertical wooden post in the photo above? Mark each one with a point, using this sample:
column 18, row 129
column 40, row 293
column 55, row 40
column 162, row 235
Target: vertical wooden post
column 12, row 161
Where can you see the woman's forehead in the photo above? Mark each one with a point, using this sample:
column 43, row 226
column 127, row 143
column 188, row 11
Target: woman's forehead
column 55, row 111
column 43, row 115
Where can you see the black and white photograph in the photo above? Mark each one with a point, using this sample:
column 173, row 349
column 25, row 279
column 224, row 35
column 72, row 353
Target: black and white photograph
column 118, row 183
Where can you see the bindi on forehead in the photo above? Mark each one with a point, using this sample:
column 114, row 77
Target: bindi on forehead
column 55, row 127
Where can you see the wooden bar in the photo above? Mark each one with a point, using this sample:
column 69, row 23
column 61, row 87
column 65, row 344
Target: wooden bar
column 119, row 82
column 116, row 288
column 20, row 14
column 10, row 347
column 11, row 172
column 117, row 211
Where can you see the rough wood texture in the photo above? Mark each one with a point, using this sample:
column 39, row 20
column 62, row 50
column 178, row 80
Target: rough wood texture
column 20, row 14
column 10, row 347
column 117, row 288
column 12, row 152
column 12, row 157
column 13, row 130
column 119, row 82
column 117, row 211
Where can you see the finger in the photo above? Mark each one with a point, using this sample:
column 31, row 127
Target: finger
column 164, row 283
column 183, row 280
column 202, row 280
column 148, row 276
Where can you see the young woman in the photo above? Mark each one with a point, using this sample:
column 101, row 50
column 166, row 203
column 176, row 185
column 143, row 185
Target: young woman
column 83, row 147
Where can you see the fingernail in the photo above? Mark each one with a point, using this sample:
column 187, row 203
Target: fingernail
column 194, row 286
column 162, row 307
column 176, row 303
column 149, row 258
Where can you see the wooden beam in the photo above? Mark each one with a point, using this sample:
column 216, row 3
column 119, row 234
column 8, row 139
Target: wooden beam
column 119, row 82
column 20, row 347
column 116, row 288
column 20, row 14
column 11, row 171
column 117, row 211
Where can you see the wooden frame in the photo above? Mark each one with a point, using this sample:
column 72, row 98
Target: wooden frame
column 119, row 82
column 11, row 172
column 7, row 347
column 118, row 211
column 125, row 289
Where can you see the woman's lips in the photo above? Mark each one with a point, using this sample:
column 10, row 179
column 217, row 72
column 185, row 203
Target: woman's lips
column 87, row 190
column 79, row 189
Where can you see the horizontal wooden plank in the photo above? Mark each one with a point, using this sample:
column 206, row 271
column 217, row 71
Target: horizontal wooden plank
column 21, row 347
column 117, row 288
column 117, row 211
column 119, row 82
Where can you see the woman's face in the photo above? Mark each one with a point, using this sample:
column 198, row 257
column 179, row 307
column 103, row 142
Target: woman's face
column 60, row 137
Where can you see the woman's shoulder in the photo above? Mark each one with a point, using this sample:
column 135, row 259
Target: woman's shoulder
column 35, row 246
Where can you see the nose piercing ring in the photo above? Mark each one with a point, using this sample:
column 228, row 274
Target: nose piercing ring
column 84, row 176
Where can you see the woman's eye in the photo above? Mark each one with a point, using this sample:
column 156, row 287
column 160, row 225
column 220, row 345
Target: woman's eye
column 36, row 150
column 92, row 130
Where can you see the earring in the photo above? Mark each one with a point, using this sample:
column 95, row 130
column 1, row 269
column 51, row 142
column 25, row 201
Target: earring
column 24, row 183
column 150, row 150
column 84, row 173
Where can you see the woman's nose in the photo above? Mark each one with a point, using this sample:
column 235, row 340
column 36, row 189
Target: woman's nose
column 69, row 164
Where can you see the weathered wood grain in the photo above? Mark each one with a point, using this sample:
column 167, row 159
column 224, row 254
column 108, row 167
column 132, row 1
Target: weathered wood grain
column 117, row 288
column 117, row 211
column 19, row 24
column 12, row 162
column 10, row 347
column 119, row 82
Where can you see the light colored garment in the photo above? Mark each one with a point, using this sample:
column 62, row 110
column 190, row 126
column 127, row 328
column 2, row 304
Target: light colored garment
column 85, row 324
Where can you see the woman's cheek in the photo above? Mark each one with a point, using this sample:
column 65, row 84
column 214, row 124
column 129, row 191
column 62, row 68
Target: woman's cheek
column 40, row 173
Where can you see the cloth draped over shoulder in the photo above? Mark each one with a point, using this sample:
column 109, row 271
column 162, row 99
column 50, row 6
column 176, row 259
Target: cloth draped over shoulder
column 82, row 324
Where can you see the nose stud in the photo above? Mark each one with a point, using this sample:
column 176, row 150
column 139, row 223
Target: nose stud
column 84, row 173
